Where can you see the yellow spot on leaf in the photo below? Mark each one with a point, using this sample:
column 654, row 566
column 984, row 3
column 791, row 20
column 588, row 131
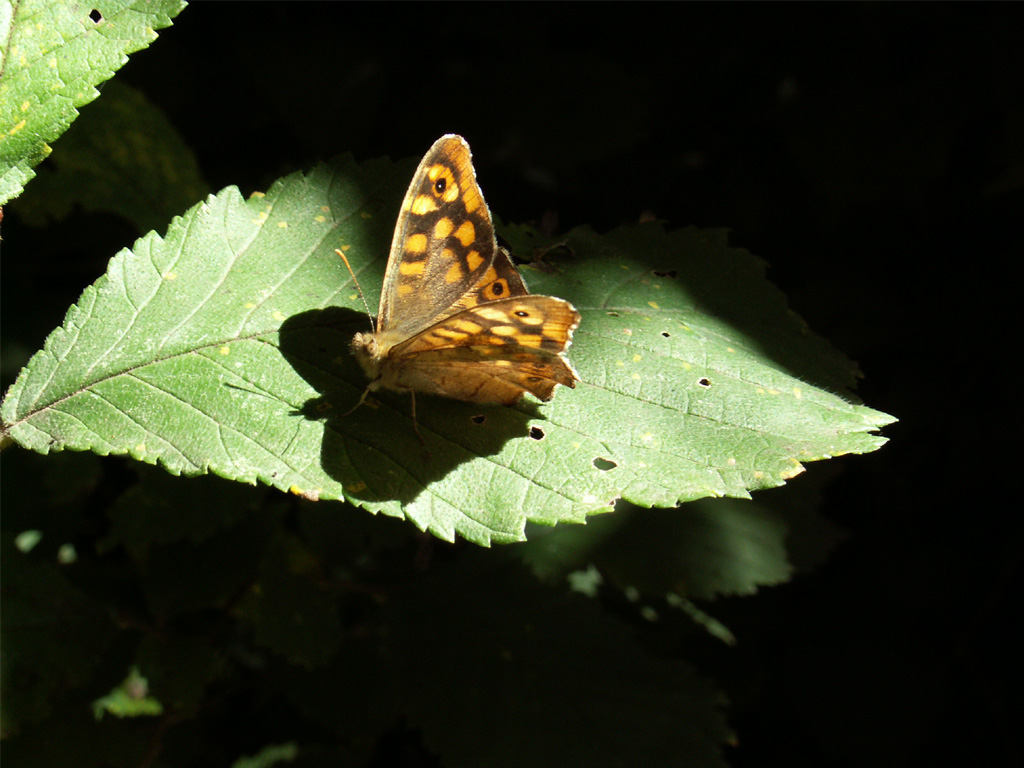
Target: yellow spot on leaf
column 627, row 331
column 278, row 315
column 637, row 358
column 259, row 195
column 225, row 350
column 636, row 377
column 17, row 128
column 791, row 472
column 798, row 393
column 249, row 305
column 282, row 225
column 171, row 276
column 319, row 218
column 345, row 248
column 653, row 305
column 25, row 105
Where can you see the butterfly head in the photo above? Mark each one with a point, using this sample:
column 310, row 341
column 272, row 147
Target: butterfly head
column 368, row 352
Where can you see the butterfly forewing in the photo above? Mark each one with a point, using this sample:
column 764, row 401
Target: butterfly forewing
column 443, row 244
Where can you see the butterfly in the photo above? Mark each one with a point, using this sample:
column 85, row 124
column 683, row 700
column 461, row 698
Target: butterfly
column 455, row 317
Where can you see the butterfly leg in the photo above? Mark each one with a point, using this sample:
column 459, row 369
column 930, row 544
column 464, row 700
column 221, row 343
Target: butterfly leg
column 360, row 401
column 415, row 424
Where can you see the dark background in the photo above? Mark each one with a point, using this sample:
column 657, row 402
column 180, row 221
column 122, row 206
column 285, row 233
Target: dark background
column 873, row 154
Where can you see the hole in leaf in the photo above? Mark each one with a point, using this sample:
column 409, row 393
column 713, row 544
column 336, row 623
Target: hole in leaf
column 95, row 16
column 604, row 464
column 666, row 334
column 536, row 433
column 670, row 273
column 478, row 419
column 704, row 382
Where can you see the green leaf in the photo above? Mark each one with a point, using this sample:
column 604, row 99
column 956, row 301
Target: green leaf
column 292, row 616
column 121, row 156
column 223, row 347
column 54, row 634
column 129, row 699
column 712, row 547
column 488, row 648
column 52, row 56
column 274, row 754
column 180, row 667
column 709, row 549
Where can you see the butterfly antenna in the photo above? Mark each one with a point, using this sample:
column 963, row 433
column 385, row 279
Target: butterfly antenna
column 358, row 289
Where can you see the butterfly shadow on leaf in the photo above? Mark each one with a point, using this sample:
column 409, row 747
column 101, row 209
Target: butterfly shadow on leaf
column 374, row 451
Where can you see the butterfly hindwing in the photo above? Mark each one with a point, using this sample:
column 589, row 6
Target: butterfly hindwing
column 517, row 324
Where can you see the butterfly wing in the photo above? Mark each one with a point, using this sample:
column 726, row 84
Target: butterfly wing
column 455, row 317
column 492, row 352
column 443, row 245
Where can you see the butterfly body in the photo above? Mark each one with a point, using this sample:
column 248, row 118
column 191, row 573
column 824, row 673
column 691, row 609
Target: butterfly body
column 455, row 317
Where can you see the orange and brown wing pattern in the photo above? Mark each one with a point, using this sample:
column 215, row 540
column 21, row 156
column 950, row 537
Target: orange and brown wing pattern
column 455, row 317
column 443, row 244
column 520, row 341
column 491, row 353
column 530, row 322
column 478, row 377
column 500, row 281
